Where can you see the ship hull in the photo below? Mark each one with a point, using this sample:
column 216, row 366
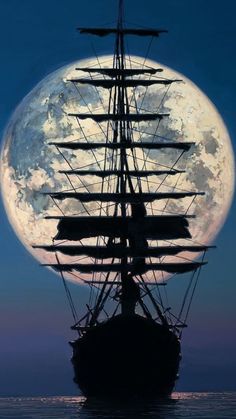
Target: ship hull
column 126, row 356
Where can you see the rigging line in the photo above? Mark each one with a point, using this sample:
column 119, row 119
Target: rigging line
column 68, row 293
column 194, row 289
column 111, row 161
column 145, row 59
column 137, row 25
column 156, row 306
column 186, row 294
column 177, row 257
column 70, row 182
column 152, row 111
column 187, row 239
column 145, row 156
column 129, row 129
column 94, row 210
column 91, row 113
column 67, row 161
column 87, row 165
column 134, row 153
column 112, row 154
column 107, row 135
column 79, row 177
column 145, row 160
column 79, row 139
column 164, row 96
column 130, row 61
column 172, row 167
column 167, row 303
column 91, row 184
column 91, row 296
column 159, row 300
column 114, row 126
column 163, row 280
column 151, row 205
column 158, row 291
column 173, row 188
column 83, row 280
column 88, row 185
column 101, row 299
column 153, row 162
column 110, row 94
column 82, row 318
column 116, row 309
column 105, row 312
column 164, row 184
column 159, row 121
column 158, row 184
column 195, row 241
column 92, row 287
column 145, row 164
column 168, row 200
column 144, row 65
column 64, row 213
column 154, row 135
column 57, row 205
column 173, row 318
column 93, row 153
column 61, row 242
column 180, row 245
column 191, row 203
column 102, row 62
column 98, row 61
column 100, row 296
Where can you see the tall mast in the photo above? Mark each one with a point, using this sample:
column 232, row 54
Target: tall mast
column 121, row 109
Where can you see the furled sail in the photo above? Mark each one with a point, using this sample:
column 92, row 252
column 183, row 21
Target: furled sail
column 118, row 251
column 135, row 117
column 138, row 173
column 121, row 197
column 155, row 227
column 109, row 84
column 117, row 31
column 177, row 268
column 131, row 145
column 124, row 72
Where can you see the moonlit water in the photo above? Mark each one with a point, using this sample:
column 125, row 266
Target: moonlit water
column 181, row 405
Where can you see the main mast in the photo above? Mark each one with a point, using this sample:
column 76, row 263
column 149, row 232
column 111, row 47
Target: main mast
column 122, row 108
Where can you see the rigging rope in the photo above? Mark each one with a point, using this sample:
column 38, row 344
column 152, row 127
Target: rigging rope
column 68, row 293
column 194, row 289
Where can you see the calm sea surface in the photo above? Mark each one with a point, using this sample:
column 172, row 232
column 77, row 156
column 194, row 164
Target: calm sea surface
column 182, row 405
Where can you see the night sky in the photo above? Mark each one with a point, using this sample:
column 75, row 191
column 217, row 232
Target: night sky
column 36, row 38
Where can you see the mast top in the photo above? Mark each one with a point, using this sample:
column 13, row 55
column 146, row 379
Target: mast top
column 120, row 14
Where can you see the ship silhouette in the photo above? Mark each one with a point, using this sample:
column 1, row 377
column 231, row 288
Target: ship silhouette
column 134, row 348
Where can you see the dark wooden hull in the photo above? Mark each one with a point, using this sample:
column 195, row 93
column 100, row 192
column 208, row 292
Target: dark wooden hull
column 126, row 356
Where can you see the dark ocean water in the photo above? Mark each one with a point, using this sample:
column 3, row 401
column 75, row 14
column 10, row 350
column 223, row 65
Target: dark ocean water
column 181, row 405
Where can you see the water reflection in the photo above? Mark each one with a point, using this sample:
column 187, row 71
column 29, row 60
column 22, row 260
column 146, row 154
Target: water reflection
column 133, row 409
column 180, row 406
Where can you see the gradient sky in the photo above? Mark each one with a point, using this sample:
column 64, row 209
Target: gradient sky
column 37, row 37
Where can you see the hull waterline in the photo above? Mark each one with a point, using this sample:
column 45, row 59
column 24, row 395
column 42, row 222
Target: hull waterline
column 125, row 357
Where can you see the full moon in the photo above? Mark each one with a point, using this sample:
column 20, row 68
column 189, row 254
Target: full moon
column 30, row 165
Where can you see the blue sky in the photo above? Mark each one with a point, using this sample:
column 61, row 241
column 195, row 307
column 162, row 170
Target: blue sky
column 37, row 38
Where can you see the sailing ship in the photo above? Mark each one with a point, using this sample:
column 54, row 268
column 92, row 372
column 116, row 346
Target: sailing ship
column 131, row 348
